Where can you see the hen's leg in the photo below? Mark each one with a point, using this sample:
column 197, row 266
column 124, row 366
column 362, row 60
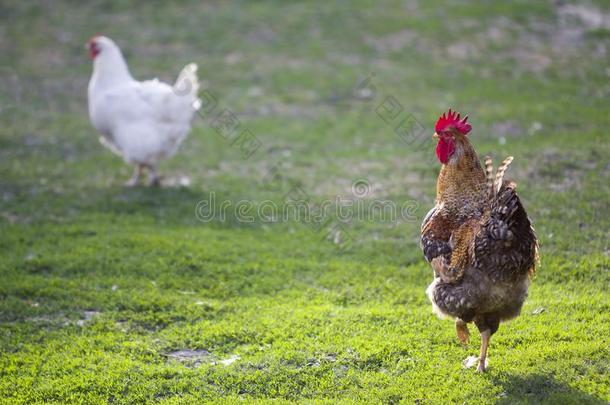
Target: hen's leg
column 153, row 177
column 133, row 181
column 461, row 329
column 485, row 336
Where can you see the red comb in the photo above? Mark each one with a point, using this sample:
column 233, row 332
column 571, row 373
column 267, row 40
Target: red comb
column 451, row 120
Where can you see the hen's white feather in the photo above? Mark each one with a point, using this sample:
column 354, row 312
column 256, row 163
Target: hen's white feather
column 142, row 121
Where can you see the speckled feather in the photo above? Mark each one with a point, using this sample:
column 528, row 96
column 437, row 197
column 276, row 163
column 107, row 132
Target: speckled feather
column 482, row 231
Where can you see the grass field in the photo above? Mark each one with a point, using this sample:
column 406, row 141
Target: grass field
column 124, row 295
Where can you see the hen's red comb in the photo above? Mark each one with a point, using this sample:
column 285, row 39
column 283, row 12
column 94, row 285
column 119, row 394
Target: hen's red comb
column 451, row 120
column 93, row 38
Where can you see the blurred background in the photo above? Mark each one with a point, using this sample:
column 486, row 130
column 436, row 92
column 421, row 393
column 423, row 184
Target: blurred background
column 313, row 81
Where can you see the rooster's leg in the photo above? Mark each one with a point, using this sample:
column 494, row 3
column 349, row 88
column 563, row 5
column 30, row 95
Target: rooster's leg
column 133, row 181
column 461, row 328
column 485, row 336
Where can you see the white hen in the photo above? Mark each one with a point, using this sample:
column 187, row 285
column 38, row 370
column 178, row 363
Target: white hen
column 143, row 122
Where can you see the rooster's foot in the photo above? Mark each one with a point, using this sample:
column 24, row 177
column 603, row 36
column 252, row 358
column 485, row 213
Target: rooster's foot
column 461, row 329
column 472, row 361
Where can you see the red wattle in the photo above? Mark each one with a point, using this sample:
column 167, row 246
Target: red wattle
column 444, row 150
column 94, row 49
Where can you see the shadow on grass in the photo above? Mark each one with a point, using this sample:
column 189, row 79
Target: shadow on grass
column 184, row 206
column 541, row 389
column 165, row 205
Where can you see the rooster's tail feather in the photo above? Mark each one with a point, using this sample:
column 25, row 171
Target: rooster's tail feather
column 489, row 176
column 500, row 175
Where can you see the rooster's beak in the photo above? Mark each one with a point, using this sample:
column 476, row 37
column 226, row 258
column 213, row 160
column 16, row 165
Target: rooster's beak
column 435, row 136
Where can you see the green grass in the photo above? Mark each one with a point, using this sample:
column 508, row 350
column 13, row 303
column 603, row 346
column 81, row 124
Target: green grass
column 101, row 284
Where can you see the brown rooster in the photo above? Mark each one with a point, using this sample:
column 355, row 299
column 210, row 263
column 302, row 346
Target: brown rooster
column 478, row 238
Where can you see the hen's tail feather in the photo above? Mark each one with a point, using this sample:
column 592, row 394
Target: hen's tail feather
column 187, row 84
column 489, row 175
column 500, row 174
